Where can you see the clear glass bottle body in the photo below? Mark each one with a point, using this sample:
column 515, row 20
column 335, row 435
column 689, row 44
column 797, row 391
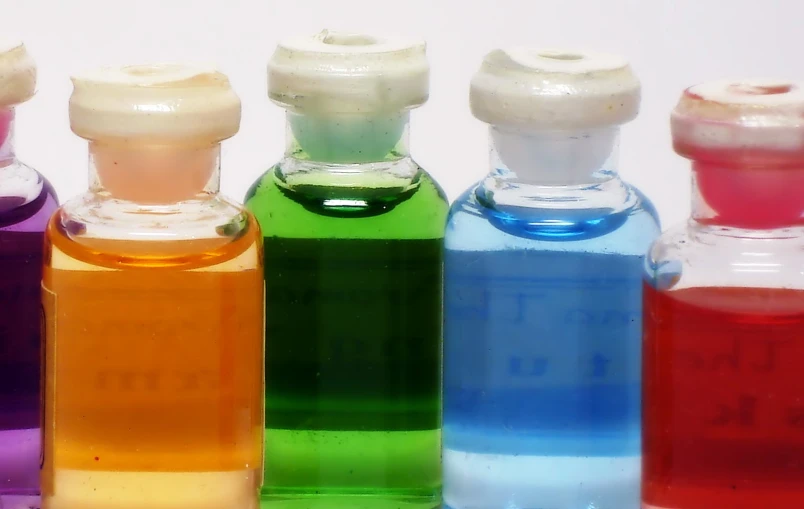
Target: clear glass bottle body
column 542, row 340
column 724, row 318
column 27, row 201
column 353, row 256
column 153, row 299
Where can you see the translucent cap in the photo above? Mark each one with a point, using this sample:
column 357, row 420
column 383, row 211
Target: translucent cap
column 17, row 73
column 750, row 119
column 335, row 72
column 550, row 89
column 165, row 102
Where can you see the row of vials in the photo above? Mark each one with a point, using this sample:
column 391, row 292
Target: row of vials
column 348, row 340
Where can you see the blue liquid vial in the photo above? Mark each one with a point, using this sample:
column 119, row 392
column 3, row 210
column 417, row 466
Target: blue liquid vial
column 543, row 293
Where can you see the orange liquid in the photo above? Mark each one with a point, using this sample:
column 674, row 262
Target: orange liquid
column 153, row 364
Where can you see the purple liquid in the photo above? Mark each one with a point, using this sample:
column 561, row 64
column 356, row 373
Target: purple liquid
column 22, row 228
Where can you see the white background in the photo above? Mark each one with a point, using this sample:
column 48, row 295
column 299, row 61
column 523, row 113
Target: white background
column 671, row 44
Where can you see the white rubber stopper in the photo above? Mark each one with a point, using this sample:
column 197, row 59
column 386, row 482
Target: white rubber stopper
column 758, row 113
column 335, row 72
column 554, row 89
column 159, row 103
column 17, row 74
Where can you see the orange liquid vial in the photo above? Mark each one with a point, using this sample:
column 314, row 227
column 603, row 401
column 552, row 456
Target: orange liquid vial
column 153, row 307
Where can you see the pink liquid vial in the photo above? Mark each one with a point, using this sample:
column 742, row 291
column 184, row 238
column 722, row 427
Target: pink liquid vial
column 723, row 343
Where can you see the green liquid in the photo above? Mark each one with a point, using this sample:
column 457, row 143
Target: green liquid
column 353, row 344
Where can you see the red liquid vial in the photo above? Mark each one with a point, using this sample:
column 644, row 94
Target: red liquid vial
column 723, row 353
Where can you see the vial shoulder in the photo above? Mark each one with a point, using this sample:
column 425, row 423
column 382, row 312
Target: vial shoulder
column 696, row 255
column 473, row 225
column 27, row 199
column 23, row 180
column 645, row 204
column 171, row 219
column 439, row 196
column 343, row 178
column 693, row 240
column 191, row 234
column 333, row 204
column 261, row 185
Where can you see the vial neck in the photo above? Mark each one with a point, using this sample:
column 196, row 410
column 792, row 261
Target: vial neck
column 347, row 139
column 7, row 121
column 747, row 196
column 154, row 174
column 554, row 158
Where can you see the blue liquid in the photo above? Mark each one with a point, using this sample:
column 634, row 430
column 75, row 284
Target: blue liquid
column 542, row 355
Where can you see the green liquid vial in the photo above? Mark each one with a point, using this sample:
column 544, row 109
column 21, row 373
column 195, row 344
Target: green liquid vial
column 353, row 231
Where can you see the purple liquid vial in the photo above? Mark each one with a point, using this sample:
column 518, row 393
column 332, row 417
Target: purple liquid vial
column 27, row 201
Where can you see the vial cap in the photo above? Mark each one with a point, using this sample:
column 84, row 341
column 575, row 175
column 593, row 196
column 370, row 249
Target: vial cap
column 334, row 72
column 17, row 74
column 760, row 120
column 554, row 89
column 154, row 103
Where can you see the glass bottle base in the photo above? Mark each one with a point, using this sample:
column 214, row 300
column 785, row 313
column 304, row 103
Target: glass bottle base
column 19, row 501
column 494, row 481
column 310, row 469
column 19, row 468
column 96, row 489
column 323, row 500
column 761, row 494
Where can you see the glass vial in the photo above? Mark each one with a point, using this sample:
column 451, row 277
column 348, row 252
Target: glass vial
column 153, row 298
column 27, row 201
column 353, row 231
column 543, row 292
column 724, row 308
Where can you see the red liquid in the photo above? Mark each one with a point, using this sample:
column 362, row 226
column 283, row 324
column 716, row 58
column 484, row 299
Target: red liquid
column 723, row 401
